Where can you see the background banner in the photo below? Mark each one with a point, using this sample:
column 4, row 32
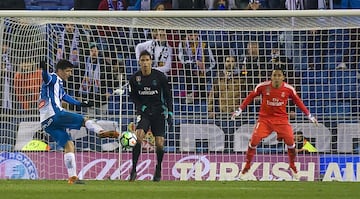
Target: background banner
column 105, row 166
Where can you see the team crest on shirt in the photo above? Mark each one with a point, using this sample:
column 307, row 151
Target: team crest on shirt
column 41, row 103
column 282, row 94
column 138, row 79
column 267, row 90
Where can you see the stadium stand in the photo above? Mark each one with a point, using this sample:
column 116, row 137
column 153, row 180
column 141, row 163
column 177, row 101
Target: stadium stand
column 49, row 4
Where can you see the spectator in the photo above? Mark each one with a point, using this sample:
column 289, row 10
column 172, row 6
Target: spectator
column 254, row 5
column 224, row 96
column 68, row 44
column 214, row 4
column 93, row 86
column 159, row 49
column 218, row 4
column 27, row 86
column 253, row 62
column 303, row 144
column 198, row 61
column 112, row 5
column 158, row 6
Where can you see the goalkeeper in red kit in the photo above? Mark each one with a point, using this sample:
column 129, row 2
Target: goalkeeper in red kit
column 273, row 116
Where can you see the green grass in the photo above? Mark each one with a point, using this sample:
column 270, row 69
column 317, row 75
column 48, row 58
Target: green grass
column 48, row 189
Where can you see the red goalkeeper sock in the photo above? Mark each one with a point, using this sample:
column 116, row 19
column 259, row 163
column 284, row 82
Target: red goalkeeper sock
column 292, row 156
column 249, row 156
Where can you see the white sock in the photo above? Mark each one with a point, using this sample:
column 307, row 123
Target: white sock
column 93, row 126
column 69, row 159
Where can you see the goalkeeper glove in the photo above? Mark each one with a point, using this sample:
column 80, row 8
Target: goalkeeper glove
column 235, row 114
column 87, row 104
column 313, row 119
column 143, row 110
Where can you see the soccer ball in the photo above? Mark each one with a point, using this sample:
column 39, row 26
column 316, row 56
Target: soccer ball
column 128, row 139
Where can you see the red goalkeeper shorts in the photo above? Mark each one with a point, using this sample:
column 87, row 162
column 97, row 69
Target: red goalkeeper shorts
column 263, row 128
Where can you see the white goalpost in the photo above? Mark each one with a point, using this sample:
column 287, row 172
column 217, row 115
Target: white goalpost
column 212, row 59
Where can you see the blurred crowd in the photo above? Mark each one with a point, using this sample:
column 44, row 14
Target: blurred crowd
column 178, row 4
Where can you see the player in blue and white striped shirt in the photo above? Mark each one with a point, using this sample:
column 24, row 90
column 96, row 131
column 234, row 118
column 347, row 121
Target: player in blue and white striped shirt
column 55, row 120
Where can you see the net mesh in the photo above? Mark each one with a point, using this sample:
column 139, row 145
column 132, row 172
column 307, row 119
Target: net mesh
column 213, row 64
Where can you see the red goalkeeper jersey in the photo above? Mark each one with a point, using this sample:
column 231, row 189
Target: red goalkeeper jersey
column 274, row 101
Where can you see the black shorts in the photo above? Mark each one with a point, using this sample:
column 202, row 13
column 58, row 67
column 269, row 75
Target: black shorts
column 156, row 123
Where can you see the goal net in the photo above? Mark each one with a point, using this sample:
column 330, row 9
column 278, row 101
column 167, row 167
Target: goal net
column 212, row 60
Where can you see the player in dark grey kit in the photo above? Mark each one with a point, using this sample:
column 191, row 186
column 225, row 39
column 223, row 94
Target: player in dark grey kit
column 151, row 93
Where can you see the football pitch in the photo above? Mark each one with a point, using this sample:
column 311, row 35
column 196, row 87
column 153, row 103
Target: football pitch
column 49, row 189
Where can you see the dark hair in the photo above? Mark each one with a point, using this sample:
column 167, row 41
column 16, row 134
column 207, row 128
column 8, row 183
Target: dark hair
column 299, row 133
column 144, row 52
column 63, row 64
column 216, row 5
column 279, row 66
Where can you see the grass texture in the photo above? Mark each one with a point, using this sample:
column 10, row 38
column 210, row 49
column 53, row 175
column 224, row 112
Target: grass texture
column 49, row 189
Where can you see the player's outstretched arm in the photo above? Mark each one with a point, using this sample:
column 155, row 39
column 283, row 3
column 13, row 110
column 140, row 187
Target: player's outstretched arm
column 43, row 65
column 67, row 98
column 45, row 75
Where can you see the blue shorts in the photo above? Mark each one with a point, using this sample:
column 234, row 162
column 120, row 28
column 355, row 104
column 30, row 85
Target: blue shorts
column 56, row 126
